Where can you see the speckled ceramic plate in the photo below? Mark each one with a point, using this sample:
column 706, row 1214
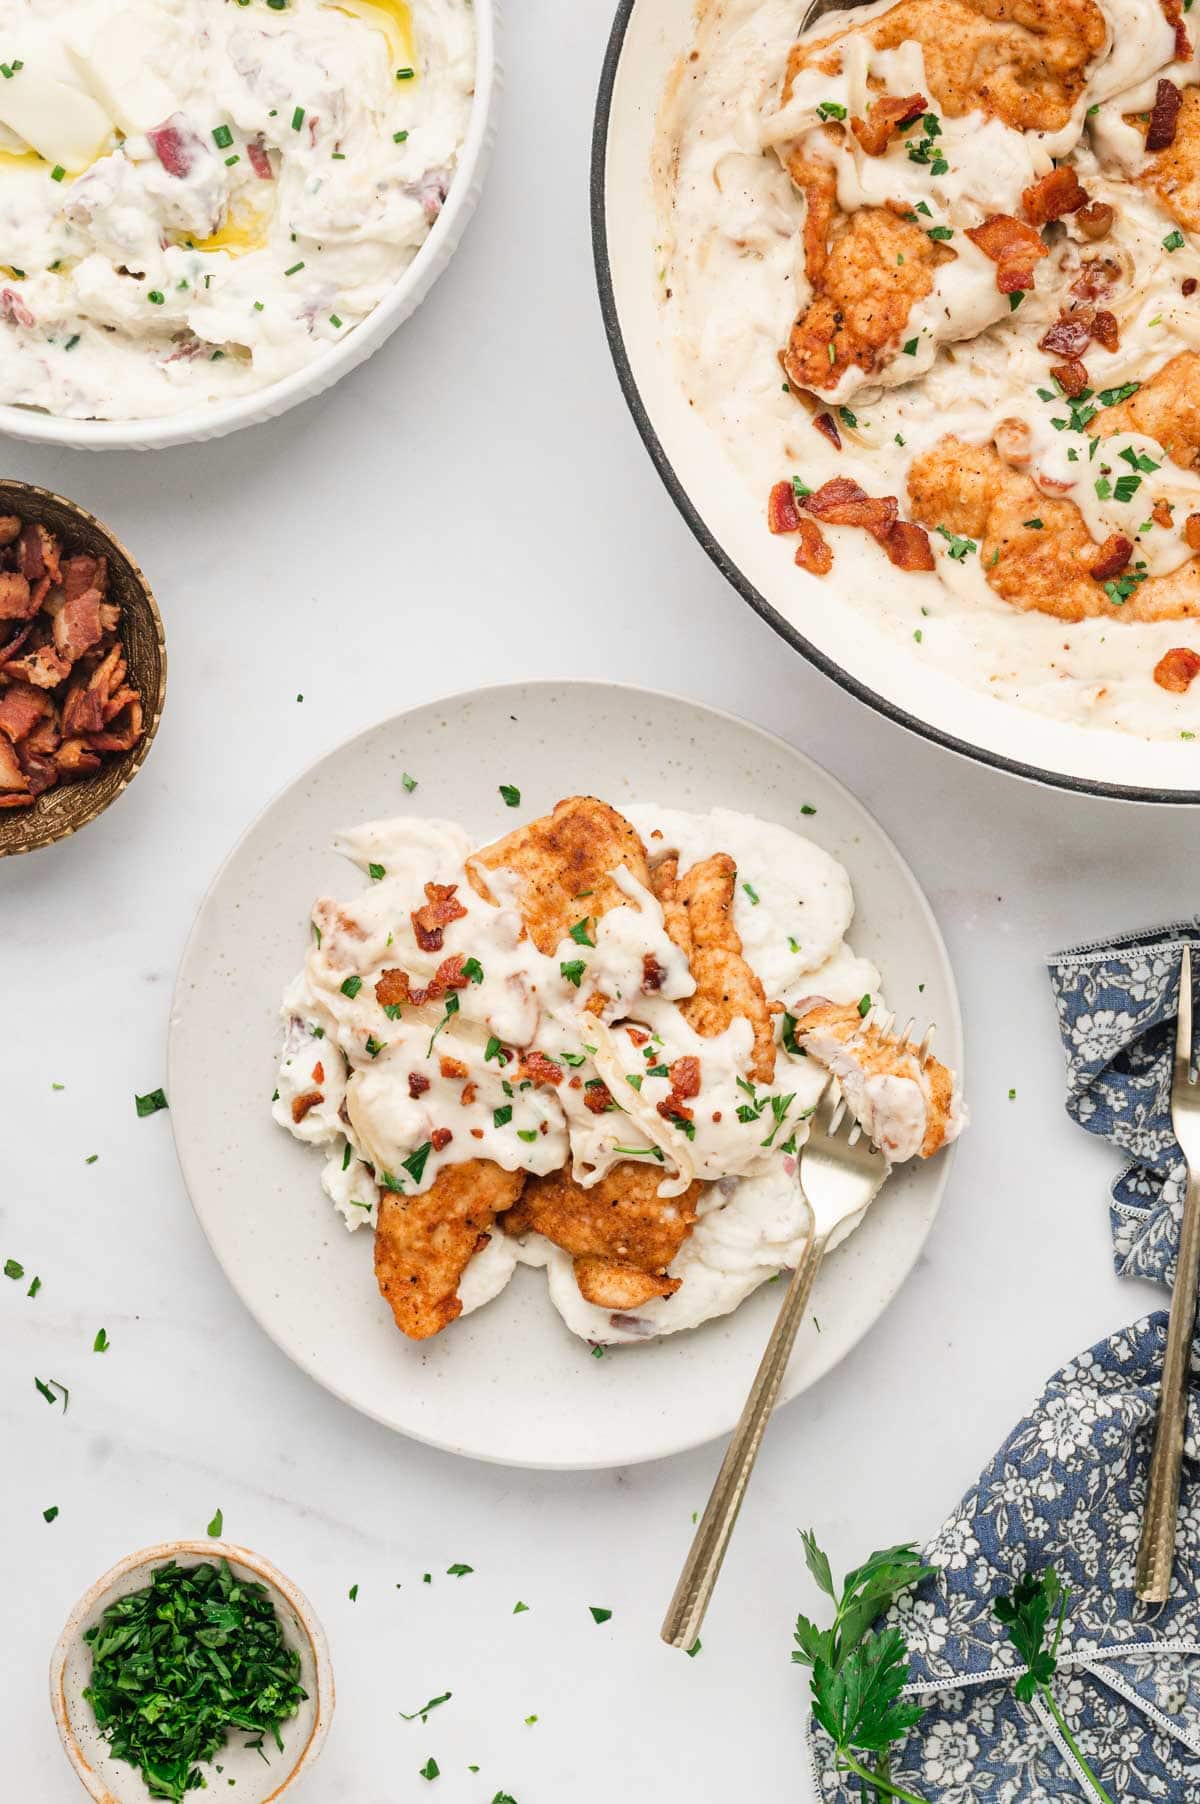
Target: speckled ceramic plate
column 509, row 1383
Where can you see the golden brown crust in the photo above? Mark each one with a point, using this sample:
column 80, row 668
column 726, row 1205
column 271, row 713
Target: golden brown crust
column 621, row 1218
column 1166, row 408
column 611, row 1285
column 867, row 282
column 423, row 1243
column 563, row 862
column 1173, row 174
column 698, row 909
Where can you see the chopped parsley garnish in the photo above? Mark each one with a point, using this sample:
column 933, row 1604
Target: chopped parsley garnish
column 458, row 1570
column 1174, row 241
column 59, row 174
column 800, row 488
column 347, row 1156
column 414, row 1165
column 788, row 1037
column 574, row 1059
column 959, row 547
column 216, row 1525
column 502, row 1116
column 494, row 1050
column 864, row 1006
column 46, row 1388
column 374, row 1047
column 50, row 1514
column 511, row 794
column 1126, row 487
column 386, row 1181
column 151, row 1103
column 451, row 1010
column 529, row 1135
column 473, row 969
column 410, row 783
column 179, row 1664
column 519, row 1609
column 1034, row 525
column 34, row 1288
column 1103, row 488
column 910, row 348
column 599, row 1615
column 376, row 872
column 1015, row 299
column 779, row 1108
column 847, row 418
column 634, row 1080
column 687, row 1128
column 351, row 986
column 393, row 1010
column 13, row 1269
column 156, row 297
column 751, row 892
column 399, row 137
column 831, row 109
column 1137, row 460
column 1108, row 397
column 579, row 933
column 430, row 1770
column 410, row 1716
column 641, row 1152
column 1121, row 588
column 572, row 969
column 940, row 233
column 807, row 808
column 405, row 74
column 101, row 1344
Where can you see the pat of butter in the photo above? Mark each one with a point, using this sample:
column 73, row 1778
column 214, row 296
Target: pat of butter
column 116, row 68
column 63, row 124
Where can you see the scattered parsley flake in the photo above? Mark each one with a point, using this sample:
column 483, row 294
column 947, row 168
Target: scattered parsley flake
column 216, row 1525
column 511, row 794
column 458, row 1570
column 430, row 1770
column 101, row 1344
column 50, row 1514
column 151, row 1103
column 351, row 986
column 572, row 969
column 599, row 1615
column 13, row 1269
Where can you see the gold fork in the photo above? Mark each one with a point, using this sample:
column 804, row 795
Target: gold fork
column 1156, row 1551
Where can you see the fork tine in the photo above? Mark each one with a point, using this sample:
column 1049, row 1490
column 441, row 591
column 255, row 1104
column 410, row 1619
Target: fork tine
column 1183, row 1024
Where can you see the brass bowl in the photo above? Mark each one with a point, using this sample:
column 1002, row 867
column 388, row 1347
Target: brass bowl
column 61, row 811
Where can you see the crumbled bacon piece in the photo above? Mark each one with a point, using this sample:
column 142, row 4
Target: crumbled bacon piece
column 1164, row 117
column 1191, row 531
column 12, row 777
column 260, row 162
column 539, row 1069
column 318, row 1073
column 684, row 1073
column 908, row 547
column 1013, row 247
column 393, row 988
column 21, row 710
column 842, row 502
column 450, row 975
column 476, row 1133
column 42, row 667
column 653, row 974
column 1115, row 554
column 1173, row 13
column 38, row 554
column 1097, row 277
column 302, row 1104
column 885, row 117
column 782, row 513
column 469, row 1093
column 75, row 758
column 1072, row 377
column 1095, row 220
column 638, row 1036
column 1053, row 196
column 452, row 1067
column 439, row 909
column 826, row 424
column 418, row 1083
column 814, row 552
column 81, row 573
column 16, row 602
column 598, row 1097
column 1106, row 331
column 439, row 1140
column 1176, row 669
column 15, row 309
column 1068, row 337
column 10, row 529
column 78, row 626
column 176, row 145
column 1162, row 513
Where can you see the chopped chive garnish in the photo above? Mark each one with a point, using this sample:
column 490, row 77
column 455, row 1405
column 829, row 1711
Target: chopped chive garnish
column 297, row 118
column 295, row 269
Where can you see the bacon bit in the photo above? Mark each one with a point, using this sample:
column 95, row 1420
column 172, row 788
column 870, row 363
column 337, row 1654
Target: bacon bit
column 452, row 1067
column 1115, row 554
column 842, row 502
column 440, row 908
column 1162, row 513
column 1191, row 531
column 885, row 117
column 653, row 974
column 1098, row 276
column 540, row 1070
column 575, row 1083
column 21, row 709
column 638, row 1036
column 1095, row 220
column 10, row 529
column 684, row 1073
column 302, row 1104
column 393, row 989
column 1173, row 13
column 908, row 547
column 814, row 552
column 476, row 1133
column 598, row 1098
column 1054, row 196
column 38, row 554
column 1066, row 337
column 1013, row 247
column 1164, row 118
column 1176, row 669
column 448, row 976
column 176, row 145
column 825, row 423
column 716, row 1115
column 260, row 162
column 15, row 596
column 439, row 1140
column 1106, row 331
column 782, row 513
column 469, row 1093
column 12, row 777
column 75, row 758
column 43, row 668
column 14, row 309
column 318, row 1073
column 78, row 626
column 1071, row 377
column 1189, row 285
column 418, row 1083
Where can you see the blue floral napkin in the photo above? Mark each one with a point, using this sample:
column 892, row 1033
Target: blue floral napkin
column 1066, row 1489
column 1116, row 1012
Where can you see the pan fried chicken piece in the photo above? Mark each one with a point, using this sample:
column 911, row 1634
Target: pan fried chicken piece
column 1173, row 174
column 559, row 857
column 1023, row 62
column 970, row 490
column 698, row 915
column 1166, row 407
column 908, row 1108
column 866, row 283
column 622, row 1234
column 423, row 1243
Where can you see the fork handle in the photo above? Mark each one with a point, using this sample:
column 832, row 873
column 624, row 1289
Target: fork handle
column 686, row 1612
column 1156, row 1552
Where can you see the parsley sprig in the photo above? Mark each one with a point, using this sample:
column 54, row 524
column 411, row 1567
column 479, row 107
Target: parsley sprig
column 1027, row 1612
column 179, row 1664
column 858, row 1674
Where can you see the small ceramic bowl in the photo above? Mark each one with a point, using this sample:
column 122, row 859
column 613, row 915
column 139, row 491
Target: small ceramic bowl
column 62, row 810
column 111, row 1781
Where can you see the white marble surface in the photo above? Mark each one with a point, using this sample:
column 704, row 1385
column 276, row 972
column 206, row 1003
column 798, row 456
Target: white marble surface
column 474, row 505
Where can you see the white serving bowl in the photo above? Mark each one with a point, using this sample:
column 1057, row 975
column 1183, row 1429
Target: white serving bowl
column 214, row 419
column 647, row 38
column 111, row 1781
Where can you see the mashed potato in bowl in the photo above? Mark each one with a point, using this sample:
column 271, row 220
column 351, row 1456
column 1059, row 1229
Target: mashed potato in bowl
column 198, row 201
